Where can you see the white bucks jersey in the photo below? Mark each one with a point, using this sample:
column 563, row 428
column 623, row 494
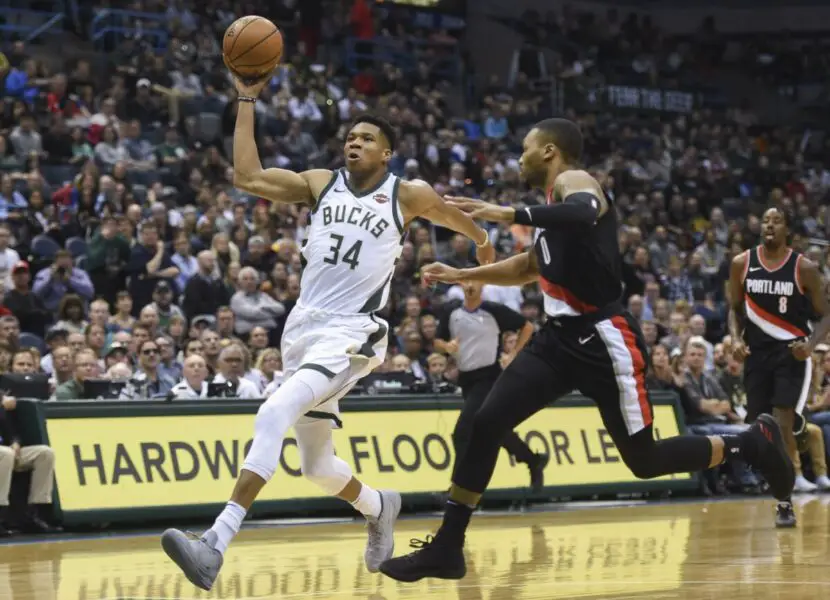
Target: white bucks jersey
column 352, row 245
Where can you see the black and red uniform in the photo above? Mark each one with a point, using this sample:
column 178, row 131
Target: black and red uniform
column 777, row 314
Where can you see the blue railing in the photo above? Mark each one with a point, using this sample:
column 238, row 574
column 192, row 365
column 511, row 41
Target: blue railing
column 110, row 25
column 27, row 24
column 444, row 60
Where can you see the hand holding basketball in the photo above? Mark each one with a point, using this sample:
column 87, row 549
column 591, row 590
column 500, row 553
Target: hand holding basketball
column 251, row 48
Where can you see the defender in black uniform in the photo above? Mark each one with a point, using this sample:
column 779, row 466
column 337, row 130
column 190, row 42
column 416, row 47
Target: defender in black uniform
column 774, row 293
column 589, row 343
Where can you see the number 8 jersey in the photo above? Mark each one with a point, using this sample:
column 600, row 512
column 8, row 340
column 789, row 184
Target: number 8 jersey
column 776, row 308
column 352, row 245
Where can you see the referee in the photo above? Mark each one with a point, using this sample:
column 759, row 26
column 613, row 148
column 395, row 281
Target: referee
column 472, row 333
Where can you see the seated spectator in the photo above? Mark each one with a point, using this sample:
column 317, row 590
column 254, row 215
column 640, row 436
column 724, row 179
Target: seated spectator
column 204, row 293
column 185, row 261
column 38, row 459
column 63, row 367
column 267, row 374
column 810, row 440
column 252, row 307
column 401, row 364
column 147, row 382
column 194, row 383
column 257, row 341
column 117, row 354
column 122, row 320
column 232, row 370
column 8, row 256
column 708, row 410
column 225, row 323
column 23, row 363
column 76, row 342
column 119, row 372
column 55, row 338
column 53, row 284
column 164, row 306
column 149, row 263
column 86, row 365
column 96, row 340
column 26, row 306
column 10, row 331
column 71, row 314
column 168, row 366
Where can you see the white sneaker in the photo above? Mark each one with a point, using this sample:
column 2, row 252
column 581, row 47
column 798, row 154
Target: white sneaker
column 381, row 544
column 823, row 482
column 803, row 486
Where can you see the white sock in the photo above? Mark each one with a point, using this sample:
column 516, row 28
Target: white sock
column 227, row 525
column 368, row 502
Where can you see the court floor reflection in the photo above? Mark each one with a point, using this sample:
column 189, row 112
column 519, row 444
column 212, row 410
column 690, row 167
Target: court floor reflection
column 692, row 551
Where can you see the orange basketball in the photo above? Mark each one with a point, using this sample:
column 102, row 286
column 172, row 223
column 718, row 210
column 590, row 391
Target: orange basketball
column 252, row 47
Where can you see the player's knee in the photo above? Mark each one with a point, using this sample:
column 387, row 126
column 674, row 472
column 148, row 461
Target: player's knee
column 329, row 473
column 642, row 459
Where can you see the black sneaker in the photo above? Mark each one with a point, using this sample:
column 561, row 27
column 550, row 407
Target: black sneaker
column 537, row 471
column 770, row 456
column 785, row 515
column 432, row 558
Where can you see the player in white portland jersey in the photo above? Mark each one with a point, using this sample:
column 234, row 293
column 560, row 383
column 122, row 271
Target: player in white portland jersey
column 331, row 338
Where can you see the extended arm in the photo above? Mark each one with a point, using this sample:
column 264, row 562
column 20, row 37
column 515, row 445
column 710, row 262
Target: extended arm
column 279, row 185
column 418, row 199
column 516, row 270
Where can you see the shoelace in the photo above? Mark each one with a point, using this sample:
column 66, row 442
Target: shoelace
column 421, row 544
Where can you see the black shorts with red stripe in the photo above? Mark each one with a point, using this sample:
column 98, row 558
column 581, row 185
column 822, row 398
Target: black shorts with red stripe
column 602, row 356
column 773, row 377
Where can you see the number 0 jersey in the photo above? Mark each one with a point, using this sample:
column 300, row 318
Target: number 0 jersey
column 353, row 243
column 776, row 308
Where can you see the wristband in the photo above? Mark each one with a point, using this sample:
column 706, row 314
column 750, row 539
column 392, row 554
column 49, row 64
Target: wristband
column 250, row 99
column 485, row 242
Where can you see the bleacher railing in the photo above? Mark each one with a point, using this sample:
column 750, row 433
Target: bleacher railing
column 111, row 25
column 27, row 24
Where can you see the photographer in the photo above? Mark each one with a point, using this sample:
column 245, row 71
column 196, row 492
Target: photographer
column 62, row 278
column 232, row 368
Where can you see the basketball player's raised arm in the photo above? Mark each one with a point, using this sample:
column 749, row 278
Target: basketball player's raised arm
column 516, row 270
column 418, row 199
column 737, row 316
column 278, row 185
column 813, row 286
column 582, row 205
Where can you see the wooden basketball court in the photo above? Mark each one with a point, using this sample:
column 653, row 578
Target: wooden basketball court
column 692, row 551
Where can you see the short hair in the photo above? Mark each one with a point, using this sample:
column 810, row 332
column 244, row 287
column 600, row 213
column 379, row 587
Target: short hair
column 565, row 134
column 385, row 127
column 782, row 212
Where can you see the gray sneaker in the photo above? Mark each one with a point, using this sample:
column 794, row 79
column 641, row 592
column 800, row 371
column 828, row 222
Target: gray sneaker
column 381, row 544
column 198, row 558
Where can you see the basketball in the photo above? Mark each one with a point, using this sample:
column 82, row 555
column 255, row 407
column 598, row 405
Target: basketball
column 252, row 47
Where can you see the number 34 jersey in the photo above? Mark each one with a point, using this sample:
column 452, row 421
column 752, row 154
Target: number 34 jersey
column 776, row 308
column 352, row 245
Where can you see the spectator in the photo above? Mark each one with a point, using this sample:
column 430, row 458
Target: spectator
column 252, row 307
column 225, row 322
column 194, row 383
column 140, row 154
column 118, row 352
column 122, row 320
column 169, row 367
column 267, row 374
column 62, row 366
column 183, row 259
column 38, row 459
column 86, row 364
column 204, row 293
column 25, row 139
column 149, row 262
column 8, row 256
column 71, row 314
column 697, row 327
column 231, row 372
column 107, row 257
column 76, row 342
column 28, row 308
column 163, row 304
column 63, row 278
column 148, row 381
column 10, row 331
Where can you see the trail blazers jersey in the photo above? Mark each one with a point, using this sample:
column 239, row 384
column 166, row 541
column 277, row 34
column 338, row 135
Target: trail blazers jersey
column 354, row 240
column 776, row 308
column 580, row 271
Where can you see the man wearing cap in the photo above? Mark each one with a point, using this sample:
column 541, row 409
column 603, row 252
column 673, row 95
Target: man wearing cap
column 118, row 352
column 62, row 278
column 163, row 303
column 28, row 308
column 144, row 106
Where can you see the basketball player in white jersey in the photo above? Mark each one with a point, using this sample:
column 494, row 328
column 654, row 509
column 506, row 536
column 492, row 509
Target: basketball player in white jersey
column 331, row 339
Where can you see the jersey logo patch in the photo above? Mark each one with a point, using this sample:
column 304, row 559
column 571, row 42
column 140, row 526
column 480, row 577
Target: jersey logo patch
column 753, row 269
column 380, row 198
column 339, row 190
